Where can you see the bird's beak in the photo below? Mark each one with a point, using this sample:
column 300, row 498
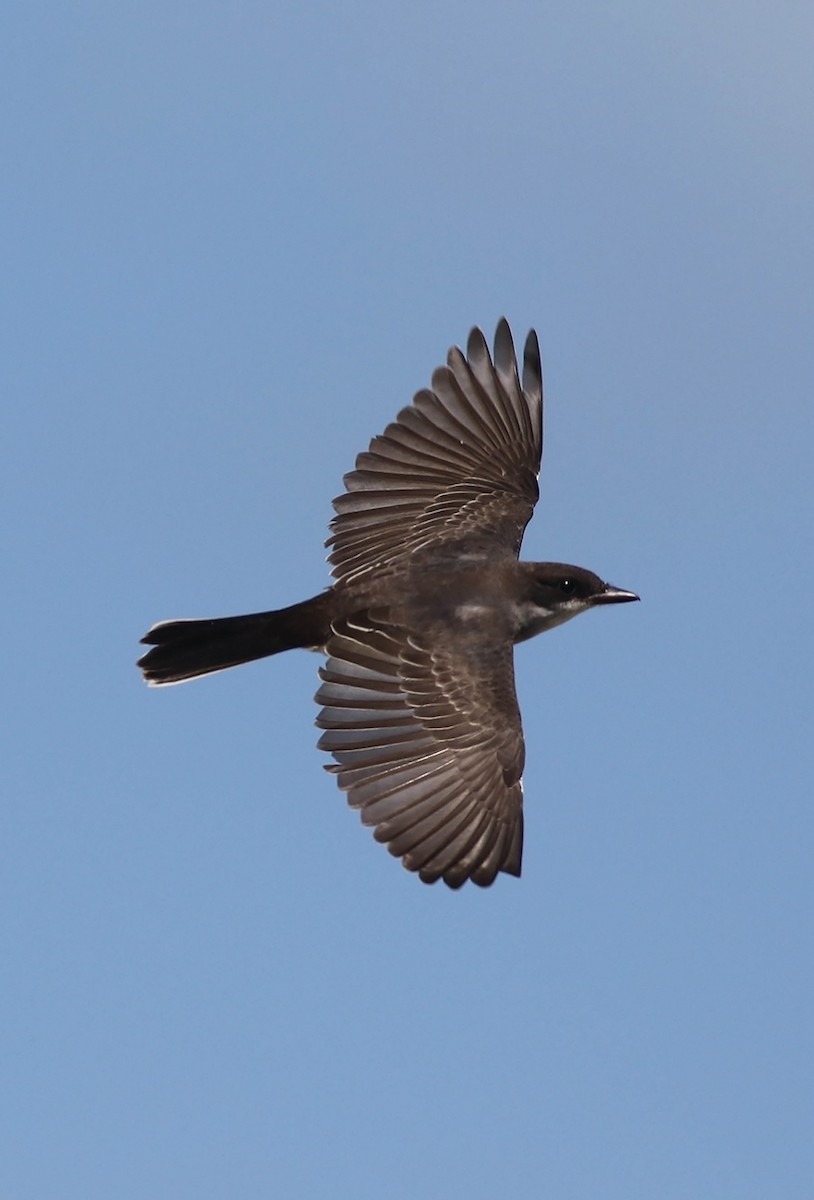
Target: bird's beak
column 613, row 595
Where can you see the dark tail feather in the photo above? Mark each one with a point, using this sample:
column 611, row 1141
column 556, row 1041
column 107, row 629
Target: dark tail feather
column 184, row 649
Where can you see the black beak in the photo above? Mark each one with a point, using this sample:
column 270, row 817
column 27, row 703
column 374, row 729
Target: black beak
column 613, row 595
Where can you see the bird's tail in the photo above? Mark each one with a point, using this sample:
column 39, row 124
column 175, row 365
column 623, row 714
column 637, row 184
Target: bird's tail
column 185, row 649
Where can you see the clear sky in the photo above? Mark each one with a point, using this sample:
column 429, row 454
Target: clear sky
column 237, row 238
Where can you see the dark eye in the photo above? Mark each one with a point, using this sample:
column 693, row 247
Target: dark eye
column 567, row 586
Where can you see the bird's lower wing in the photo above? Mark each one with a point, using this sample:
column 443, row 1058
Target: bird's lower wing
column 428, row 745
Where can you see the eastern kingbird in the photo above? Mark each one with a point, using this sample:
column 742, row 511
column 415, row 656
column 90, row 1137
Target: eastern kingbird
column 418, row 702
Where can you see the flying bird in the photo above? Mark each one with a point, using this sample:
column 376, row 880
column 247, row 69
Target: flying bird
column 418, row 702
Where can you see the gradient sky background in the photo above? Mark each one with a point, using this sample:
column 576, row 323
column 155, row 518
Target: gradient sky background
column 237, row 238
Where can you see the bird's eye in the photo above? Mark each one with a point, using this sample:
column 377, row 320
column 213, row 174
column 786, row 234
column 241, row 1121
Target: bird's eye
column 567, row 586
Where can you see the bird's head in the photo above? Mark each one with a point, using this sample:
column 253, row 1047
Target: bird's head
column 556, row 592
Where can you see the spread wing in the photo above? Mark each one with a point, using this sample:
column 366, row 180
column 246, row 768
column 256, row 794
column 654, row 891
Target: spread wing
column 460, row 464
column 428, row 745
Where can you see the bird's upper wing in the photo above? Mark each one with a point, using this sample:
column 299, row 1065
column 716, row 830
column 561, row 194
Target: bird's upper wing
column 460, row 464
column 429, row 745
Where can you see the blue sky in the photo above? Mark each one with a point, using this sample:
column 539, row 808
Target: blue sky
column 237, row 239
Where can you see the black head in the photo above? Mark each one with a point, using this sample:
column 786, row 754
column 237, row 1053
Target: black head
column 555, row 592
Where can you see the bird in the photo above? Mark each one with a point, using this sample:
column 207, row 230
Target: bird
column 418, row 706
